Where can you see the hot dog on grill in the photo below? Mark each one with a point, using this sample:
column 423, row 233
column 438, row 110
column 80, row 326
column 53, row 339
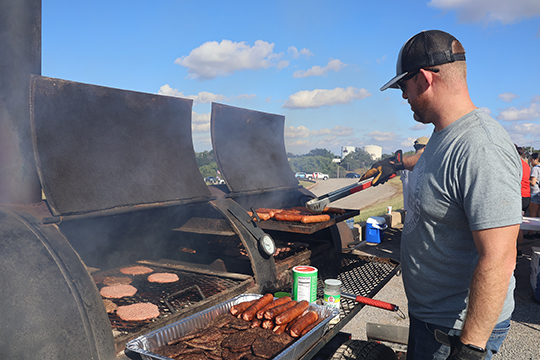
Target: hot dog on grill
column 272, row 313
column 262, row 216
column 273, row 304
column 299, row 325
column 288, row 217
column 241, row 307
column 250, row 312
column 288, row 315
column 308, row 219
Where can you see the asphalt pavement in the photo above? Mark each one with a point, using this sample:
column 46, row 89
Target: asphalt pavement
column 356, row 201
column 523, row 340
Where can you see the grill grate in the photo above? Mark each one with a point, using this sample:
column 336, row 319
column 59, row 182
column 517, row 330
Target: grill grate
column 170, row 298
column 358, row 275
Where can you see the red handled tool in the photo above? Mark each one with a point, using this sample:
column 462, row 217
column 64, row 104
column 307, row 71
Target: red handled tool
column 377, row 303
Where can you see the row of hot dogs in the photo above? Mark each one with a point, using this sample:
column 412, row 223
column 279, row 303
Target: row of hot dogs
column 296, row 214
column 279, row 315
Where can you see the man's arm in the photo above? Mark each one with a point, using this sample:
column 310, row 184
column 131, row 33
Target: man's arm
column 411, row 160
column 489, row 285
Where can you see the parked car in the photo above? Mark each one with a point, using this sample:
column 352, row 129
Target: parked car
column 212, row 180
column 300, row 175
column 352, row 175
column 318, row 175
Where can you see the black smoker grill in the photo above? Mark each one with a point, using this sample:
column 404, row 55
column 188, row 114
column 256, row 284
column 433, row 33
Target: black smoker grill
column 118, row 171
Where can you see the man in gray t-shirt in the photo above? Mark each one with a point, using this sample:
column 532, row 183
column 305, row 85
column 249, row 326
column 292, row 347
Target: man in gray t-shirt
column 458, row 247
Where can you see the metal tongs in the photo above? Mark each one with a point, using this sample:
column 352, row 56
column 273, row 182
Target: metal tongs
column 319, row 203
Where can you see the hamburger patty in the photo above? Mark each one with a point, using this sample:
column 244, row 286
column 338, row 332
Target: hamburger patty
column 138, row 312
column 163, row 278
column 118, row 291
column 136, row 270
column 110, row 306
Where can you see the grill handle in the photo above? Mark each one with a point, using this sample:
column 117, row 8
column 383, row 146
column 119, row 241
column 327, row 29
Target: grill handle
column 376, row 303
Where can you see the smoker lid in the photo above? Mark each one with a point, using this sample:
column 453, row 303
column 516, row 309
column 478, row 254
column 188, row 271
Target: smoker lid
column 99, row 148
column 250, row 149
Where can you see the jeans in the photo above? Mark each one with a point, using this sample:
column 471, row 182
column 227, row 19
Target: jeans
column 423, row 346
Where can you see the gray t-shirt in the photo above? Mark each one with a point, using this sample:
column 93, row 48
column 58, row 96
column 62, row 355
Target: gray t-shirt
column 467, row 179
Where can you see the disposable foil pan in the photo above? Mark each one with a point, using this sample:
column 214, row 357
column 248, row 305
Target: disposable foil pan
column 144, row 344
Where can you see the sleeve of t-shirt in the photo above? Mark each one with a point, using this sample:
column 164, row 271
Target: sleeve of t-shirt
column 491, row 187
column 535, row 172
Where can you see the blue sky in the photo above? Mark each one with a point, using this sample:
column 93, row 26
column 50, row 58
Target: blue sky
column 318, row 63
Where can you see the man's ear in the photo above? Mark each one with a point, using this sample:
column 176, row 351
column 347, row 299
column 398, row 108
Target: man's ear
column 424, row 80
column 426, row 76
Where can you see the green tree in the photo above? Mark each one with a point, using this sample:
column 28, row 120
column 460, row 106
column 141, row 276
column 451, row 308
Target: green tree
column 357, row 160
column 311, row 164
column 205, row 158
column 321, row 152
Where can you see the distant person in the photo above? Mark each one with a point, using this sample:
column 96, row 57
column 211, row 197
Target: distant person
column 419, row 145
column 534, row 207
column 525, row 191
column 458, row 244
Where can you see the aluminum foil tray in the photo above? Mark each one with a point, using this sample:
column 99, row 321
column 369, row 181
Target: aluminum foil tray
column 144, row 344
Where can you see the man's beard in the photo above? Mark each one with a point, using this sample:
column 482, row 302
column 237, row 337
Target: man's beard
column 419, row 109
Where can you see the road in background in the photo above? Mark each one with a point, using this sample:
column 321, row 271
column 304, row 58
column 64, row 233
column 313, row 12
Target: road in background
column 359, row 200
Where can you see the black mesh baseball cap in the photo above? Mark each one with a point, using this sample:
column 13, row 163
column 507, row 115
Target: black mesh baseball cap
column 428, row 48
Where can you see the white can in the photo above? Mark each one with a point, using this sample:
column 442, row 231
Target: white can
column 389, row 210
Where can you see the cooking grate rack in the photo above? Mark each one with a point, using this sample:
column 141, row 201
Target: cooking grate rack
column 171, row 298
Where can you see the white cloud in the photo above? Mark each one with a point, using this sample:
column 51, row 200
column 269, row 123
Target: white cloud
column 333, row 65
column 323, row 97
column 381, row 60
column 213, row 59
column 382, row 136
column 204, row 97
column 200, row 123
column 507, row 97
column 418, row 126
column 531, row 112
column 485, row 109
column 487, row 11
column 330, row 134
column 294, row 53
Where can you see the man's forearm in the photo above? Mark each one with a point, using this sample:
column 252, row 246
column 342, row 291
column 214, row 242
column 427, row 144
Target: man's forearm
column 490, row 282
column 411, row 160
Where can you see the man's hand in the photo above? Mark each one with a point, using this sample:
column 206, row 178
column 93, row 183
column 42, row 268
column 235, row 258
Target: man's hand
column 382, row 170
column 458, row 350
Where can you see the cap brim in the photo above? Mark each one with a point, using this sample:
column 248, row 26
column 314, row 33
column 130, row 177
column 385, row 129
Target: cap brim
column 393, row 83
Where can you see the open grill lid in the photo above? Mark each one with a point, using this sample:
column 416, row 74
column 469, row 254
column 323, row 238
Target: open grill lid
column 99, row 148
column 250, row 149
